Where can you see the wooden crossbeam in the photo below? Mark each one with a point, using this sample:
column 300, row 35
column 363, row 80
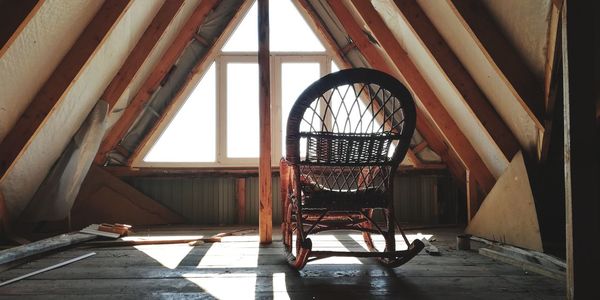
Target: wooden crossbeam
column 456, row 73
column 201, row 66
column 138, row 103
column 14, row 17
column 140, row 52
column 500, row 54
column 60, row 82
column 456, row 167
column 415, row 81
column 420, row 146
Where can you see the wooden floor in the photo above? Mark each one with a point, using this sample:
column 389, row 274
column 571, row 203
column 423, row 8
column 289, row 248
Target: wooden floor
column 238, row 268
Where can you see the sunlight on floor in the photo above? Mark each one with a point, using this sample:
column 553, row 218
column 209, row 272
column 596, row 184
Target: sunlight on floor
column 230, row 286
column 279, row 286
column 224, row 255
column 169, row 255
column 329, row 242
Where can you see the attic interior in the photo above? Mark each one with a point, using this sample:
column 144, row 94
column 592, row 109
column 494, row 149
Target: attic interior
column 170, row 116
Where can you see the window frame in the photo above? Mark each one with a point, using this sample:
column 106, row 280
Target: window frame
column 221, row 160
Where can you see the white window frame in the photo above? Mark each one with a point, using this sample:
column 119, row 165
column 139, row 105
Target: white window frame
column 221, row 61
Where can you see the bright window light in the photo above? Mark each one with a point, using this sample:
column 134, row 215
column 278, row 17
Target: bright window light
column 169, row 256
column 289, row 31
column 295, row 77
column 191, row 135
column 242, row 110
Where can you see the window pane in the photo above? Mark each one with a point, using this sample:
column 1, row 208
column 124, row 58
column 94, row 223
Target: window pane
column 289, row 31
column 295, row 77
column 242, row 110
column 191, row 136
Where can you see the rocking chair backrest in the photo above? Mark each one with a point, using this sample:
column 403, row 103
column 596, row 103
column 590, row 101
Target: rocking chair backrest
column 353, row 125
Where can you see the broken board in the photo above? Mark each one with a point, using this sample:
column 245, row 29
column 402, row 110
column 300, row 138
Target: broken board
column 508, row 213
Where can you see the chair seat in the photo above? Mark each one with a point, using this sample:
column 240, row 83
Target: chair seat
column 344, row 199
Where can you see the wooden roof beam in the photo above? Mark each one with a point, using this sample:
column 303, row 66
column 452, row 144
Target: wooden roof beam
column 507, row 63
column 59, row 83
column 434, row 139
column 140, row 52
column 415, row 81
column 138, row 103
column 456, row 73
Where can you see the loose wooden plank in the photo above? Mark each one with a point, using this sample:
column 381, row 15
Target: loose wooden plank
column 42, row 246
column 59, row 83
column 140, row 52
column 415, row 81
column 240, row 193
column 456, row 73
column 265, row 212
column 152, row 82
column 47, row 269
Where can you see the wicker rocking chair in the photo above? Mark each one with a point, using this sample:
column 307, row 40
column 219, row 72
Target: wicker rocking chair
column 346, row 135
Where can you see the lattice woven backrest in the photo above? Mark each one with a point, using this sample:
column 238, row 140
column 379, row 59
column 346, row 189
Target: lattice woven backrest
column 355, row 121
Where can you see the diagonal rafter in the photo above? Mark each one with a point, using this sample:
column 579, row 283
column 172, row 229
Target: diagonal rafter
column 409, row 72
column 499, row 52
column 140, row 52
column 458, row 76
column 138, row 103
column 59, row 83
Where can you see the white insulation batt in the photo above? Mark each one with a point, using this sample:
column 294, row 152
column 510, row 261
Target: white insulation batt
column 20, row 184
column 446, row 92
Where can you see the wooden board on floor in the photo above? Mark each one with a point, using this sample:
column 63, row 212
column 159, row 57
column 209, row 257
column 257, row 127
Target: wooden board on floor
column 508, row 212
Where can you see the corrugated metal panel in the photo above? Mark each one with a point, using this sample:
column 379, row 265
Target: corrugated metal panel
column 424, row 199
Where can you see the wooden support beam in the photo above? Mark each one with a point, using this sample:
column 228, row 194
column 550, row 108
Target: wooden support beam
column 415, row 81
column 265, row 212
column 581, row 69
column 481, row 109
column 138, row 103
column 140, row 52
column 14, row 17
column 240, row 196
column 413, row 158
column 501, row 55
column 193, row 77
column 4, row 217
column 60, row 82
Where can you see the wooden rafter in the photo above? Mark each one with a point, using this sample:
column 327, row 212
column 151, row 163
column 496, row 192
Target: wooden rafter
column 456, row 73
column 14, row 17
column 415, row 81
column 140, row 52
column 420, row 146
column 60, row 82
column 191, row 78
column 339, row 53
column 138, row 103
column 500, row 54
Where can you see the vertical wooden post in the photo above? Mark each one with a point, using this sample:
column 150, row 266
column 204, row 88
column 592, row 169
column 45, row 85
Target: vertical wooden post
column 472, row 202
column 265, row 213
column 580, row 43
column 240, row 194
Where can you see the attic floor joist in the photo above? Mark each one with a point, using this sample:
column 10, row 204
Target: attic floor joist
column 59, row 82
column 136, row 106
column 425, row 97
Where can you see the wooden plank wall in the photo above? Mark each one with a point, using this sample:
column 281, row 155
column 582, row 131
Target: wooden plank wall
column 424, row 199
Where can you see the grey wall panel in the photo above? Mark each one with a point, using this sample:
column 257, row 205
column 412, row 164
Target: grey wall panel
column 418, row 199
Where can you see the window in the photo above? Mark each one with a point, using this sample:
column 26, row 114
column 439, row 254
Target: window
column 218, row 124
